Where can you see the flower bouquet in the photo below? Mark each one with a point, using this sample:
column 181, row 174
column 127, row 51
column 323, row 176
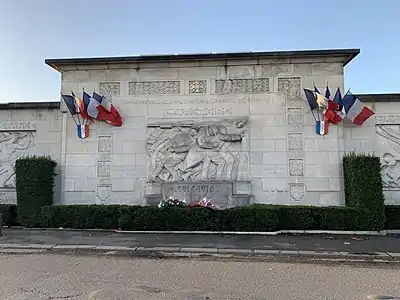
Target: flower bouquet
column 205, row 202
column 172, row 202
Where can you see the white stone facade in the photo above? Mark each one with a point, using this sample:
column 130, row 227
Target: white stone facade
column 282, row 157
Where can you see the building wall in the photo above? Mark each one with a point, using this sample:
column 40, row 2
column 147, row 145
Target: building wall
column 280, row 153
column 27, row 132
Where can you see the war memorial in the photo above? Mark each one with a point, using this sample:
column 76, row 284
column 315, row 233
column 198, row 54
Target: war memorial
column 234, row 127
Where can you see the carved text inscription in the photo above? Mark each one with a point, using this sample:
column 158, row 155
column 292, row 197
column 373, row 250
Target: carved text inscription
column 17, row 126
column 387, row 119
column 200, row 112
column 8, row 196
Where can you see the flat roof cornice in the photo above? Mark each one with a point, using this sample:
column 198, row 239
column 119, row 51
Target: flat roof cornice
column 348, row 54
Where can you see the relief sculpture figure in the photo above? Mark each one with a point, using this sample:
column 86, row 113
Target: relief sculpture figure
column 195, row 153
column 12, row 146
column 390, row 162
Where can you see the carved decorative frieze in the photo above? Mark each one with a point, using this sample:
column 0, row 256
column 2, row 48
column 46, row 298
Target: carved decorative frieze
column 243, row 86
column 103, row 193
column 295, row 141
column 197, row 86
column 296, row 167
column 390, row 160
column 13, row 145
column 292, row 87
column 294, row 117
column 17, row 126
column 109, row 89
column 103, row 168
column 171, row 87
column 387, row 119
column 104, row 144
column 297, row 191
column 199, row 152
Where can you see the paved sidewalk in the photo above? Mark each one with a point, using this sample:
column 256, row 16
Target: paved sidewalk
column 333, row 246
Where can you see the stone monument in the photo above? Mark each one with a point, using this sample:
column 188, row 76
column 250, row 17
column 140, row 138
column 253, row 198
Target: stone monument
column 192, row 160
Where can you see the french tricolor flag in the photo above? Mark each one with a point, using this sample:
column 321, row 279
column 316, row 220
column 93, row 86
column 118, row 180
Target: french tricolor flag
column 321, row 127
column 356, row 112
column 83, row 131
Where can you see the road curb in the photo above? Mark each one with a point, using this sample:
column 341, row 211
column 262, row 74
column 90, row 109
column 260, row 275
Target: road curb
column 196, row 252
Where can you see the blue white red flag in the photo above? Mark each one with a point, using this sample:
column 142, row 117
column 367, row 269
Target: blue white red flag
column 321, row 127
column 83, row 131
column 356, row 112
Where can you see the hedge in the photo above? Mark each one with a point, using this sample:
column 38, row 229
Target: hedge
column 34, row 186
column 392, row 217
column 364, row 189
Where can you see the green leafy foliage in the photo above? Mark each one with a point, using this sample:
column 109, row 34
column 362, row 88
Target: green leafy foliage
column 364, row 190
column 34, row 186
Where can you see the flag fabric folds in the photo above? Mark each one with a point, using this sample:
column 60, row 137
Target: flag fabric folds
column 356, row 112
column 98, row 107
column 335, row 110
column 83, row 131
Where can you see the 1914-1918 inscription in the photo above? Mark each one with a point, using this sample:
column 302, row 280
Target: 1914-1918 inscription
column 192, row 192
column 8, row 196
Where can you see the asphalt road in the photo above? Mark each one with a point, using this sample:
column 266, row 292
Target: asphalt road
column 47, row 277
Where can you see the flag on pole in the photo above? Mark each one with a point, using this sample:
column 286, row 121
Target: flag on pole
column 80, row 106
column 310, row 96
column 99, row 108
column 70, row 103
column 356, row 112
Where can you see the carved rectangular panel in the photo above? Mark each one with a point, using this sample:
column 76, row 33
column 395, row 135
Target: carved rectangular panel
column 232, row 86
column 103, row 168
column 104, row 144
column 387, row 119
column 197, row 86
column 294, row 117
column 296, row 167
column 17, row 126
column 171, row 87
column 290, row 85
column 8, row 196
column 297, row 192
column 110, row 89
column 103, row 193
column 197, row 112
column 295, row 141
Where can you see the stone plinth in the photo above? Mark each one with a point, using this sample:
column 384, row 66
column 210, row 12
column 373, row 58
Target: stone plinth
column 224, row 194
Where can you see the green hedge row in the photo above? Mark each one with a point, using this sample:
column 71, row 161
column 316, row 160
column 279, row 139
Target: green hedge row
column 34, row 185
column 364, row 189
column 249, row 218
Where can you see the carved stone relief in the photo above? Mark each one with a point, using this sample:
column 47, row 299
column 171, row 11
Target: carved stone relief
column 296, row 167
column 203, row 152
column 103, row 194
column 110, row 89
column 292, row 87
column 297, row 191
column 390, row 160
column 104, row 144
column 295, row 141
column 231, row 86
column 294, row 117
column 103, row 168
column 12, row 146
column 172, row 87
column 197, row 86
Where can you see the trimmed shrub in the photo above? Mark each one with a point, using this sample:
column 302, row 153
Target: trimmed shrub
column 79, row 216
column 392, row 217
column 34, row 186
column 364, row 190
column 10, row 214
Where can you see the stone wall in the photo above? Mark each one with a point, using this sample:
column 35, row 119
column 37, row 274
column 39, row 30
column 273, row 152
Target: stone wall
column 280, row 154
column 27, row 131
column 380, row 135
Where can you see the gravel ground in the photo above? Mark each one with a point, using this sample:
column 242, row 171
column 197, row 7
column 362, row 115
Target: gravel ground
column 40, row 277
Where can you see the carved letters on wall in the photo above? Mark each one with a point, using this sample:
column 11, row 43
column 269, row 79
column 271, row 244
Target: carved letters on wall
column 390, row 160
column 203, row 152
column 13, row 145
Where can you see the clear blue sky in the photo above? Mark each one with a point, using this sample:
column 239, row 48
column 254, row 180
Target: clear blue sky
column 32, row 30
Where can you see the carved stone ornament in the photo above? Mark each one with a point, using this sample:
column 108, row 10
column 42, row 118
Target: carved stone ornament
column 13, row 145
column 390, row 160
column 103, row 193
column 190, row 153
column 297, row 191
